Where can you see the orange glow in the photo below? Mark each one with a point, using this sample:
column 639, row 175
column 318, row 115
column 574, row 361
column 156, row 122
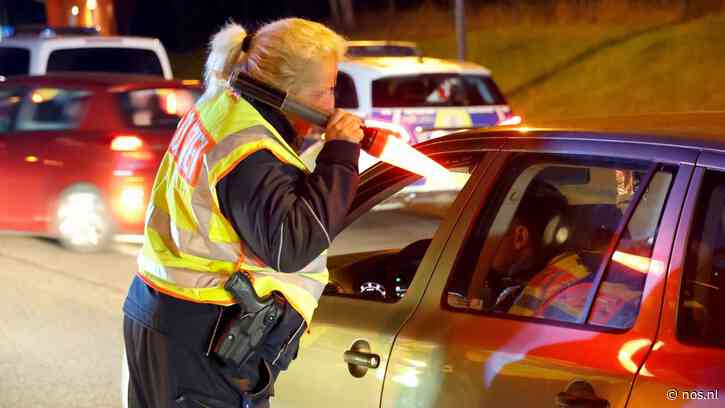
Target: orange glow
column 628, row 350
column 130, row 203
column 37, row 98
column 400, row 154
column 190, row 82
column 31, row 159
column 126, row 143
column 638, row 263
column 399, row 130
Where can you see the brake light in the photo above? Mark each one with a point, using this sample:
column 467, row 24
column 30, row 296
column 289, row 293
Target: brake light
column 511, row 121
column 126, row 143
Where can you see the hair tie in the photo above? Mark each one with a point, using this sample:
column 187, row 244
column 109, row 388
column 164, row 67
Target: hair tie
column 247, row 42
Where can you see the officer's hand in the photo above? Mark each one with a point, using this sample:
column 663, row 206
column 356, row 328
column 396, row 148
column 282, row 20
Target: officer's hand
column 344, row 126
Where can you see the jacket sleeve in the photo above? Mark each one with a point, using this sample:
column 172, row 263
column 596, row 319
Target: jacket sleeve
column 286, row 217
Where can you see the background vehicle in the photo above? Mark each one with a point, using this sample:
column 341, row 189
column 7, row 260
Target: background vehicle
column 409, row 319
column 79, row 151
column 47, row 49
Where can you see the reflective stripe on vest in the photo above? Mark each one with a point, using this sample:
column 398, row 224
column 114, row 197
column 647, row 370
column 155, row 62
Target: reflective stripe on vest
column 190, row 248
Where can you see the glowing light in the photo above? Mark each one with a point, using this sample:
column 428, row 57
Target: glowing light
column 638, row 263
column 74, row 10
column 126, row 143
column 523, row 129
column 401, row 154
column 512, row 121
column 399, row 130
column 37, row 98
column 31, row 159
column 190, row 82
column 628, row 350
column 91, row 4
column 408, row 379
column 132, row 198
column 171, row 105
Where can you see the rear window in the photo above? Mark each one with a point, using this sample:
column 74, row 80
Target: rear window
column 157, row 108
column 52, row 109
column 382, row 51
column 436, row 90
column 14, row 61
column 123, row 60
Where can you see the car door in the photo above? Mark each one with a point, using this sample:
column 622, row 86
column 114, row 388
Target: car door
column 566, row 320
column 10, row 97
column 374, row 285
column 686, row 366
column 44, row 115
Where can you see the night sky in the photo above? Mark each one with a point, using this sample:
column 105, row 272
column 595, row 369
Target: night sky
column 184, row 25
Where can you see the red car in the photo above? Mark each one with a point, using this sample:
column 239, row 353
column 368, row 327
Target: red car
column 79, row 152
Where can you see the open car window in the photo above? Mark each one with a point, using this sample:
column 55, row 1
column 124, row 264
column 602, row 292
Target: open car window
column 391, row 223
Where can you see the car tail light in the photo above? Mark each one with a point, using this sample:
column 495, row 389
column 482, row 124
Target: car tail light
column 511, row 121
column 126, row 143
column 399, row 130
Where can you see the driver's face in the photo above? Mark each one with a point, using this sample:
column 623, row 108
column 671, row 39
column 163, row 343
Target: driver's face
column 511, row 247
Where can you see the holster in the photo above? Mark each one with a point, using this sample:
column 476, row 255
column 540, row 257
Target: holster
column 244, row 333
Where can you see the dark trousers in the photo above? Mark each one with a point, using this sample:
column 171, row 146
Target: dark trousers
column 171, row 371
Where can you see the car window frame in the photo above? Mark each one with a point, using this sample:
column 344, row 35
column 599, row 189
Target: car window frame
column 583, row 143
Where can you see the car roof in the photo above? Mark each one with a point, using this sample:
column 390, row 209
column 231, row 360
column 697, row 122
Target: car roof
column 390, row 66
column 100, row 79
column 98, row 40
column 368, row 43
column 699, row 130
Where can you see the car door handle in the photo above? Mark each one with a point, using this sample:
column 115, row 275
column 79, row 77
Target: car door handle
column 359, row 358
column 580, row 394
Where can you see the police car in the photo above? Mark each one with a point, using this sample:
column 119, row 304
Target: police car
column 420, row 98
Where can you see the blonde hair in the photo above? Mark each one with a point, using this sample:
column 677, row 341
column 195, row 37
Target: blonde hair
column 284, row 53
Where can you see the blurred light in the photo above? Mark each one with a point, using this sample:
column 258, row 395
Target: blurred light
column 190, row 82
column 2, row 78
column 401, row 154
column 31, row 159
column 408, row 379
column 132, row 197
column 400, row 131
column 126, row 143
column 628, row 350
column 171, row 106
column 36, row 97
column 524, row 129
column 130, row 205
column 122, row 173
column 638, row 263
column 81, row 219
column 91, row 4
column 74, row 10
column 512, row 121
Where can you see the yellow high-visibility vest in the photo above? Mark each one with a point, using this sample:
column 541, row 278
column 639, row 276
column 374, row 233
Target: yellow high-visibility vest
column 190, row 248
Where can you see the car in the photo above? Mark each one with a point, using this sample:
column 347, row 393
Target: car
column 581, row 264
column 373, row 48
column 79, row 151
column 42, row 49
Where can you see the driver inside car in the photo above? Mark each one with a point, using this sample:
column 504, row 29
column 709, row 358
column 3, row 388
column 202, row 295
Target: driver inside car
column 531, row 266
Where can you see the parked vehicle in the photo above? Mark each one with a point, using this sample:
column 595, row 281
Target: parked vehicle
column 48, row 49
column 79, row 152
column 578, row 266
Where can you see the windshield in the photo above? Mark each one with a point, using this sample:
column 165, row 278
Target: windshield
column 14, row 61
column 436, row 90
column 123, row 60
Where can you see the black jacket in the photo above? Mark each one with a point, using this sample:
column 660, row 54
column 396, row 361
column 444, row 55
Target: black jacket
column 286, row 217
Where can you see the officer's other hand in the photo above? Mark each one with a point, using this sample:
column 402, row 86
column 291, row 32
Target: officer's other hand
column 344, row 126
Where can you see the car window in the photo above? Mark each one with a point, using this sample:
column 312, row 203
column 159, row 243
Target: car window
column 377, row 256
column 435, row 90
column 702, row 301
column 52, row 109
column 14, row 61
column 345, row 93
column 10, row 98
column 538, row 245
column 102, row 59
column 156, row 108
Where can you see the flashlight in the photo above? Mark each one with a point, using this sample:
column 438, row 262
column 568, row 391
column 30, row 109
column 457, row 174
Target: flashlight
column 380, row 143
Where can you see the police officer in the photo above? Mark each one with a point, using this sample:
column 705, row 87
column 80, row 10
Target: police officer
column 231, row 195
